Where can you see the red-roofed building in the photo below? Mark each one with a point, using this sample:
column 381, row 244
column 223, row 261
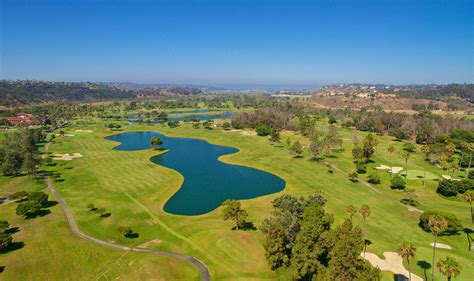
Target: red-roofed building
column 21, row 119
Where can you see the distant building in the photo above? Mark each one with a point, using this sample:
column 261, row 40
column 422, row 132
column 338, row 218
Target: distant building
column 21, row 119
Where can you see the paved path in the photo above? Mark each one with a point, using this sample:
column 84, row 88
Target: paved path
column 205, row 275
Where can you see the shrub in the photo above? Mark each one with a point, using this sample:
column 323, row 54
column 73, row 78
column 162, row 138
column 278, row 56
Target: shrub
column 397, row 182
column 237, row 125
column 226, row 126
column 450, row 188
column 361, row 167
column 374, row 179
column 263, row 130
column 454, row 225
column 471, row 174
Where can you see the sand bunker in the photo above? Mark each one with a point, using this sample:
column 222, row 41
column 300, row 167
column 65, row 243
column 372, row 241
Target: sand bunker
column 85, row 131
column 383, row 167
column 392, row 262
column 441, row 246
column 393, row 170
column 67, row 156
column 249, row 133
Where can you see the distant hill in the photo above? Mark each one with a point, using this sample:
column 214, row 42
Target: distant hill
column 18, row 93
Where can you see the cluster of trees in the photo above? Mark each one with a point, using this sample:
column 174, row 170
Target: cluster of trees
column 19, row 153
column 31, row 204
column 450, row 188
column 324, row 142
column 101, row 211
column 299, row 236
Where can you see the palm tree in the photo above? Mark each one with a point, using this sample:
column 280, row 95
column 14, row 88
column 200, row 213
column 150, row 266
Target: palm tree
column 390, row 150
column 468, row 197
column 437, row 226
column 449, row 267
column 365, row 213
column 407, row 251
column 156, row 142
column 351, row 210
column 427, row 152
column 406, row 156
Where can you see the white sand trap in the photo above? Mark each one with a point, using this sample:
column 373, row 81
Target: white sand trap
column 446, row 177
column 441, row 246
column 85, row 131
column 395, row 170
column 392, row 262
column 249, row 133
column 383, row 167
column 66, row 156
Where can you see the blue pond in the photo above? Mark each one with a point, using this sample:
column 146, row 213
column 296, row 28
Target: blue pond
column 207, row 181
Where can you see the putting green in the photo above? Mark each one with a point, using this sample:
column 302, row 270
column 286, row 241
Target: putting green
column 418, row 175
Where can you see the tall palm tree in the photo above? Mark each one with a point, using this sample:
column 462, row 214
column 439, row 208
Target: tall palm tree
column 427, row 152
column 406, row 156
column 351, row 210
column 468, row 196
column 365, row 213
column 437, row 226
column 449, row 267
column 407, row 251
column 390, row 150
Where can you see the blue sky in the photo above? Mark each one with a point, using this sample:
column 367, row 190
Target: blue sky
column 238, row 42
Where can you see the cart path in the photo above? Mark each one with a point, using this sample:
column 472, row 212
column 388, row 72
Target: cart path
column 205, row 275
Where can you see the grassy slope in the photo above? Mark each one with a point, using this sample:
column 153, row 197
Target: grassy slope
column 134, row 190
column 52, row 252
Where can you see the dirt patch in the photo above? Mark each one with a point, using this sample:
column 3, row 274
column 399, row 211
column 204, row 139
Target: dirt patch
column 150, row 243
column 249, row 133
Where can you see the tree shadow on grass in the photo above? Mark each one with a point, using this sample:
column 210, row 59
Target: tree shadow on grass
column 399, row 277
column 12, row 230
column 132, row 235
column 2, row 268
column 13, row 247
column 39, row 213
column 105, row 215
column 50, row 204
column 248, row 226
column 468, row 232
column 425, row 266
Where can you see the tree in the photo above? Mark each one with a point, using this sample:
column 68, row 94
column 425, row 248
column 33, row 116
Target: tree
column 397, row 182
column 296, row 149
column 409, row 196
column 437, row 226
column 262, row 130
column 406, row 155
column 28, row 209
column 468, row 197
column 226, row 126
column 345, row 244
column 352, row 210
column 4, row 225
column 5, row 241
column 307, row 253
column 156, row 142
column 426, row 149
column 373, row 179
column 368, row 146
column 126, row 231
column 274, row 136
column 234, row 212
column 407, row 251
column 454, row 224
column 364, row 211
column 91, row 207
column 390, row 150
column 449, row 267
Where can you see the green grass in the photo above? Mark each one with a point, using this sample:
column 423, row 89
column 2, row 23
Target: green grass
column 135, row 190
column 52, row 252
column 419, row 175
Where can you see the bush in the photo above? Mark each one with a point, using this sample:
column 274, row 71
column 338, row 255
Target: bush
column 454, row 225
column 450, row 188
column 361, row 167
column 471, row 174
column 262, row 130
column 226, row 126
column 374, row 179
column 397, row 182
